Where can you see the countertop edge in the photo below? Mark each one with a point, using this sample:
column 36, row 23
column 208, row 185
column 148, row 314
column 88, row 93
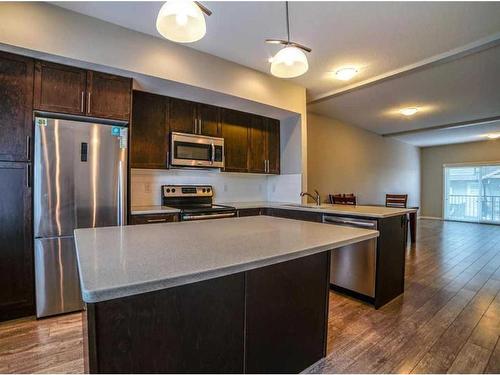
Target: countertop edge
column 284, row 206
column 97, row 296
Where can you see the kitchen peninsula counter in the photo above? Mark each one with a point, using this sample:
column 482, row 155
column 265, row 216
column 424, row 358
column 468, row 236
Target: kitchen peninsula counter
column 230, row 295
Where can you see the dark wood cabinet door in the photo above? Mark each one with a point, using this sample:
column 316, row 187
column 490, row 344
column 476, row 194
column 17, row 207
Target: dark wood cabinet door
column 286, row 315
column 245, row 212
column 108, row 96
column 273, row 145
column 209, row 120
column 316, row 217
column 257, row 150
column 16, row 251
column 193, row 328
column 235, row 126
column 16, row 106
column 149, row 141
column 182, row 116
column 59, row 88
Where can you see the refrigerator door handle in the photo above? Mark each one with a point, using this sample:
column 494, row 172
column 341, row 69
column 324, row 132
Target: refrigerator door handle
column 120, row 197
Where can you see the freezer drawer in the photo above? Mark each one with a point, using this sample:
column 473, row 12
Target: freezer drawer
column 56, row 276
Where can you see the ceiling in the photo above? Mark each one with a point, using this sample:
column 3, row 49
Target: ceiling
column 380, row 38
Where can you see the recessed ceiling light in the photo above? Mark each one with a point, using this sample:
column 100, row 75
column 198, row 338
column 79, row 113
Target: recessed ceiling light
column 492, row 135
column 345, row 74
column 408, row 111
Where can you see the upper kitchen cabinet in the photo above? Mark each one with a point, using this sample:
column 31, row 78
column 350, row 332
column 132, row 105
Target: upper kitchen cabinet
column 182, row 114
column 208, row 120
column 60, row 88
column 108, row 96
column 16, row 91
column 194, row 118
column 273, row 145
column 149, row 131
column 235, row 129
column 264, row 145
column 257, row 152
column 65, row 89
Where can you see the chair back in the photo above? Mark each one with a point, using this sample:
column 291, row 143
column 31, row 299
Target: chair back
column 396, row 200
column 348, row 199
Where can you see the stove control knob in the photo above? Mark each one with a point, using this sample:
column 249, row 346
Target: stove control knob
column 173, row 190
column 168, row 190
column 203, row 190
column 208, row 190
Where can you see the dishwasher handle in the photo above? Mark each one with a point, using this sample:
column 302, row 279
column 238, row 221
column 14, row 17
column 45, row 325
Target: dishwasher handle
column 353, row 222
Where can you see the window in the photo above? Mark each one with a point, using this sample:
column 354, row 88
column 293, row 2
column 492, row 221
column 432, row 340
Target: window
column 472, row 193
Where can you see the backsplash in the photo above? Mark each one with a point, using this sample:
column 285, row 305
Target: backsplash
column 228, row 187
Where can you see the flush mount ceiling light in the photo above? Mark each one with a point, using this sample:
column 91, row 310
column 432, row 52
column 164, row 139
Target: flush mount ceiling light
column 182, row 21
column 408, row 111
column 492, row 135
column 345, row 74
column 291, row 61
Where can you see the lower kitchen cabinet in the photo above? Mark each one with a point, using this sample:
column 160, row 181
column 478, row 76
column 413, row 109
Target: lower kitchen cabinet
column 287, row 315
column 153, row 218
column 295, row 214
column 244, row 212
column 271, row 319
column 16, row 249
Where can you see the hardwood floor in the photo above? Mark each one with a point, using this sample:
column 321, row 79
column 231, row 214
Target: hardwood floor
column 448, row 320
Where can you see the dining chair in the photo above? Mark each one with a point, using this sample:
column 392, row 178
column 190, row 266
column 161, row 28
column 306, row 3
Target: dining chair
column 396, row 200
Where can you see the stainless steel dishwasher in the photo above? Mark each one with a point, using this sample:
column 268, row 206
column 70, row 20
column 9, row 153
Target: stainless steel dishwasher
column 353, row 267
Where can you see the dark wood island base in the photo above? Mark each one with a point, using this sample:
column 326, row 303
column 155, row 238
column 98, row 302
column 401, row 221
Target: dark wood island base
column 271, row 319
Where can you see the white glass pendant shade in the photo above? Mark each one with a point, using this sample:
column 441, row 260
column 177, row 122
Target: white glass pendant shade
column 181, row 21
column 289, row 62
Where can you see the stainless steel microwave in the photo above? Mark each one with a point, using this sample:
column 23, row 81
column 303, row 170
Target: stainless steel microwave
column 191, row 150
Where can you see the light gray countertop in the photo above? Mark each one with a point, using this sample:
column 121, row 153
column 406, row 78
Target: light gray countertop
column 338, row 209
column 117, row 262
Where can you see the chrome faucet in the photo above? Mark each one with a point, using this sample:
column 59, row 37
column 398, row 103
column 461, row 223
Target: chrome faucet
column 317, row 198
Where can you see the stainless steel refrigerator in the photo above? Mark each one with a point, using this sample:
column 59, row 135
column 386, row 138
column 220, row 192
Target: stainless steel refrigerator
column 79, row 182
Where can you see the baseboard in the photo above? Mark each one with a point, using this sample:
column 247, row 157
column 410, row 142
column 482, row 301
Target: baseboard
column 430, row 218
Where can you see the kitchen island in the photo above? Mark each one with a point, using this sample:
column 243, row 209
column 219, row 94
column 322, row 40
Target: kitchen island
column 231, row 295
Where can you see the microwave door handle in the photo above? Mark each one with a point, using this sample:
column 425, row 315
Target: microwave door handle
column 213, row 153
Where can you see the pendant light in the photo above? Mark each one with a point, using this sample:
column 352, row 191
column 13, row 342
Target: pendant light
column 290, row 61
column 182, row 21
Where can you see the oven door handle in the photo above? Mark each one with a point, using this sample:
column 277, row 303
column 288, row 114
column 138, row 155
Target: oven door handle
column 212, row 216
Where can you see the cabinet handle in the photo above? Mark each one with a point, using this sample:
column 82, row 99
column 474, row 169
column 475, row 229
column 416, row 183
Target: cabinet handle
column 200, row 126
column 88, row 102
column 28, row 176
column 156, row 220
column 28, row 147
column 82, row 101
column 195, row 124
column 168, row 158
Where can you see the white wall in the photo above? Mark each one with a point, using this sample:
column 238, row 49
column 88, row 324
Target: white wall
column 433, row 159
column 348, row 159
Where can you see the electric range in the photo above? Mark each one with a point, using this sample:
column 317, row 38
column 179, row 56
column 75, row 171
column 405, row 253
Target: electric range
column 195, row 202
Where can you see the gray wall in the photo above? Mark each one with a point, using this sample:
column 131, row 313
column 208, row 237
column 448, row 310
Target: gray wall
column 432, row 160
column 345, row 159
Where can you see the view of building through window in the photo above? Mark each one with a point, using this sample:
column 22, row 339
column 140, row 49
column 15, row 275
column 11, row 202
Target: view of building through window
column 472, row 193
